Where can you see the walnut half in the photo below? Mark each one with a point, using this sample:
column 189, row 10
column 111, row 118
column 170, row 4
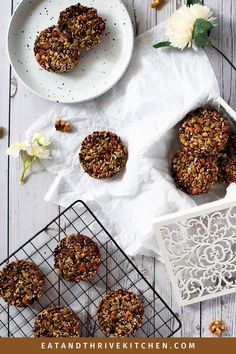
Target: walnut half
column 217, row 327
column 63, row 126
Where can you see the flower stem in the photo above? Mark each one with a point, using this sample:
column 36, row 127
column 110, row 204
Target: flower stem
column 22, row 176
column 224, row 56
column 28, row 161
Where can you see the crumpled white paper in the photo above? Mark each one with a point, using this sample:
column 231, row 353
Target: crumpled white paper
column 158, row 89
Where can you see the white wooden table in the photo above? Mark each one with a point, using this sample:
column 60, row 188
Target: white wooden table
column 23, row 210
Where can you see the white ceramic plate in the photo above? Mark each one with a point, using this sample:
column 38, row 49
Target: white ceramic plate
column 99, row 69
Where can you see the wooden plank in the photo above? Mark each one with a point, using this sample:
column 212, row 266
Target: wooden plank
column 223, row 38
column 189, row 316
column 28, row 211
column 5, row 10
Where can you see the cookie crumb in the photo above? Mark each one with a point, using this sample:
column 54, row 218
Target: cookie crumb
column 1, row 132
column 156, row 3
column 217, row 327
column 63, row 126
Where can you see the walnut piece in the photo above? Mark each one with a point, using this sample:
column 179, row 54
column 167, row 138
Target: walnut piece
column 63, row 126
column 217, row 327
column 156, row 3
column 1, row 132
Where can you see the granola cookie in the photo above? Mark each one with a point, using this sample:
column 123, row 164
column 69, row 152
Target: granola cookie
column 204, row 131
column 57, row 321
column 56, row 51
column 21, row 283
column 77, row 258
column 103, row 154
column 120, row 313
column 84, row 24
column 227, row 162
column 194, row 174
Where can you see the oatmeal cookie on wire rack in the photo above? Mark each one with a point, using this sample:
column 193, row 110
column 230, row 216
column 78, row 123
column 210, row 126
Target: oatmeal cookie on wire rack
column 57, row 321
column 120, row 313
column 21, row 283
column 77, row 258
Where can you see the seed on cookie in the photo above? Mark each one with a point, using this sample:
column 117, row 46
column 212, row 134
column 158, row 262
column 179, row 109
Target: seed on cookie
column 56, row 51
column 120, row 313
column 57, row 321
column 77, row 258
column 84, row 24
column 21, row 283
column 204, row 131
column 103, row 154
column 227, row 162
column 194, row 174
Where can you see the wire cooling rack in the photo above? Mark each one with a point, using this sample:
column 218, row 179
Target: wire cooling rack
column 116, row 271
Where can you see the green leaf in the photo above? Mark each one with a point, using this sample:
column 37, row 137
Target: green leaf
column 162, row 44
column 192, row 2
column 201, row 32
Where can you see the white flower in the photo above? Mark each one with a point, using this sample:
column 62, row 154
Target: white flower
column 15, row 149
column 181, row 25
column 38, row 151
column 41, row 139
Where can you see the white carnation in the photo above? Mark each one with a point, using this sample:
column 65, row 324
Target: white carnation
column 181, row 25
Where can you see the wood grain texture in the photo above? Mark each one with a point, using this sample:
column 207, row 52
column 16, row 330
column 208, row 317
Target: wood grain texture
column 224, row 38
column 4, row 122
column 23, row 210
column 27, row 211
